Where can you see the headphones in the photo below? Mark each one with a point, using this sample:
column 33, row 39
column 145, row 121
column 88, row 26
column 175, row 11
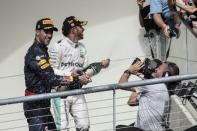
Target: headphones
column 169, row 70
column 166, row 74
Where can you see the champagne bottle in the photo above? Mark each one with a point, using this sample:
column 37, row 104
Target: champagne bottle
column 90, row 70
column 96, row 67
column 93, row 69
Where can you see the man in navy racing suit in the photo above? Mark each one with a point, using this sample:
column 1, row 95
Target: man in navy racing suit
column 40, row 78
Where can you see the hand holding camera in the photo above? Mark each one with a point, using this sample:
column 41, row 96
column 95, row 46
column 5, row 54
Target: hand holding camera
column 136, row 66
column 147, row 68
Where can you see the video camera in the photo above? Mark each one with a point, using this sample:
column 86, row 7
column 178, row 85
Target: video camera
column 149, row 67
column 173, row 32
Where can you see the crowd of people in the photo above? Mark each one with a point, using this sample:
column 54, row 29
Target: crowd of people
column 60, row 68
column 187, row 11
column 156, row 14
column 165, row 15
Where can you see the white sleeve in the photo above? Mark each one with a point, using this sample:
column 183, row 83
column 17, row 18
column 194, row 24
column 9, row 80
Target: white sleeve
column 83, row 52
column 55, row 54
column 86, row 60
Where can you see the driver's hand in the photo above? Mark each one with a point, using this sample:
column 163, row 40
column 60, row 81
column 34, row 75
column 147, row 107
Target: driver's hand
column 84, row 79
column 76, row 72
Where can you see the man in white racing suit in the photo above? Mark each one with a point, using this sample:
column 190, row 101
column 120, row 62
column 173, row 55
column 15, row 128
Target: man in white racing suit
column 67, row 56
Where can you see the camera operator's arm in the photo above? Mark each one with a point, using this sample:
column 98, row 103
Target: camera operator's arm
column 133, row 69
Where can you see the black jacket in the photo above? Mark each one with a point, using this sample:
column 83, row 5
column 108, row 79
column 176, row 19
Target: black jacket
column 39, row 75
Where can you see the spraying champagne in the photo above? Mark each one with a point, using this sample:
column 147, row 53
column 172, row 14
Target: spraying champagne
column 90, row 70
column 96, row 67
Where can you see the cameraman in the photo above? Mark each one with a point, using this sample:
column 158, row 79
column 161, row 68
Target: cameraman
column 154, row 99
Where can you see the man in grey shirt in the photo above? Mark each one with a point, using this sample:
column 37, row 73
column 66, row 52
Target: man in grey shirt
column 153, row 107
column 153, row 99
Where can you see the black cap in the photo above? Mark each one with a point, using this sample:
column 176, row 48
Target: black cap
column 45, row 24
column 72, row 21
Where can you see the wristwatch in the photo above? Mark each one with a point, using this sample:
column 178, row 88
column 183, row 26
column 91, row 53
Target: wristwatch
column 127, row 72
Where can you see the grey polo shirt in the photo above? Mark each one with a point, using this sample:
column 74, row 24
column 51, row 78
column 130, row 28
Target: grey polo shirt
column 153, row 107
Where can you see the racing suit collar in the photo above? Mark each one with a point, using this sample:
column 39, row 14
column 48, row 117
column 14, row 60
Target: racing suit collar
column 41, row 45
column 71, row 43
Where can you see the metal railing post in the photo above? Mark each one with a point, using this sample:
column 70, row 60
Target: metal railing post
column 94, row 89
column 114, row 109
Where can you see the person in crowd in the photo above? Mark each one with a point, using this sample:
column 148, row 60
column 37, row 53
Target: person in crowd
column 194, row 25
column 40, row 78
column 153, row 99
column 144, row 18
column 190, row 8
column 69, row 56
column 143, row 12
column 190, row 12
column 164, row 18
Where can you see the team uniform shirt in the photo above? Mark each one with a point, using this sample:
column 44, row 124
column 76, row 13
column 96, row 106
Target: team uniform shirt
column 39, row 75
column 153, row 107
column 65, row 57
column 39, row 79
